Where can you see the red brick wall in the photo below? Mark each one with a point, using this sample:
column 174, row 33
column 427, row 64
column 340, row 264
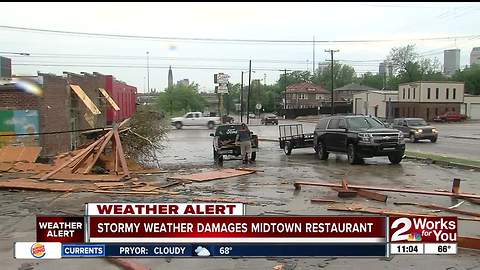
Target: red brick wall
column 54, row 115
column 18, row 100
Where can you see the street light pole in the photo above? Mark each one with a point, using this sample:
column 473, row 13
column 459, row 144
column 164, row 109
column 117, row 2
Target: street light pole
column 148, row 73
column 249, row 88
column 331, row 71
column 241, row 100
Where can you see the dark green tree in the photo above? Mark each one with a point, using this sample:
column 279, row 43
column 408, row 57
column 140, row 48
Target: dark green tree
column 180, row 99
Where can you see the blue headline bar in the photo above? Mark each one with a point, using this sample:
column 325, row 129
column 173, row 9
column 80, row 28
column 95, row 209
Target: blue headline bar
column 225, row 250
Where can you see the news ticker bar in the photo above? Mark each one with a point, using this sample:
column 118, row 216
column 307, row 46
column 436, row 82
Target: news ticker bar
column 52, row 250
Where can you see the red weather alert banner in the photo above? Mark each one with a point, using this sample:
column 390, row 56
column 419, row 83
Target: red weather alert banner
column 273, row 229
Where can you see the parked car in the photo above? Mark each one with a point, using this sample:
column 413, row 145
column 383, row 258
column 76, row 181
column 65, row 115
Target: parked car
column 359, row 137
column 450, row 116
column 195, row 119
column 226, row 119
column 416, row 129
column 224, row 143
column 251, row 115
column 269, row 119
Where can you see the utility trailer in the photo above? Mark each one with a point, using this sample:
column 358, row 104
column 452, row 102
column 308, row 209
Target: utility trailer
column 292, row 137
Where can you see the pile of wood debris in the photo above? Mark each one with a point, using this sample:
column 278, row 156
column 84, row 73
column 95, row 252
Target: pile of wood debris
column 72, row 171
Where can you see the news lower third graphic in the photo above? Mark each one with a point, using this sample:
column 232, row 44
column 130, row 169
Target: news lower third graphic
column 223, row 230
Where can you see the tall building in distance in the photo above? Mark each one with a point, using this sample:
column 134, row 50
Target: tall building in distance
column 475, row 56
column 384, row 68
column 451, row 61
column 322, row 66
column 170, row 77
column 5, row 67
column 184, row 82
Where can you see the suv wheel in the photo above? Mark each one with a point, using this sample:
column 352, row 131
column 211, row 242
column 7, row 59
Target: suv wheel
column 396, row 157
column 433, row 140
column 352, row 155
column 178, row 125
column 210, row 125
column 322, row 151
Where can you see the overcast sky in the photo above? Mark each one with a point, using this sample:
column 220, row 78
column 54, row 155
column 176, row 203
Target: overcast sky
column 267, row 21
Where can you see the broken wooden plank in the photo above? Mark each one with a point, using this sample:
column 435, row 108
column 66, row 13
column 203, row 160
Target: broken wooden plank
column 149, row 171
column 121, row 154
column 98, row 153
column 109, row 99
column 317, row 200
column 29, row 184
column 128, row 192
column 5, row 166
column 342, row 193
column 109, row 185
column 212, row 175
column 145, row 188
column 298, row 185
column 171, row 184
column 371, row 195
column 19, row 153
column 468, row 242
column 82, row 177
column 85, row 99
column 68, row 162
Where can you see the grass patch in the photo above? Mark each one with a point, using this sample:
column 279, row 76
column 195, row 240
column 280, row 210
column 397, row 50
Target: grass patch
column 453, row 160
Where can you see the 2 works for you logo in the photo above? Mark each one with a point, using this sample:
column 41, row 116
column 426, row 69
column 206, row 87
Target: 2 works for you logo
column 38, row 250
column 423, row 229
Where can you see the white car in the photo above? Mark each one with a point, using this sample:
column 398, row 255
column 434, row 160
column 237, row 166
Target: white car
column 195, row 119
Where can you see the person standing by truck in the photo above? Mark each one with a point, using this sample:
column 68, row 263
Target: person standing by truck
column 243, row 138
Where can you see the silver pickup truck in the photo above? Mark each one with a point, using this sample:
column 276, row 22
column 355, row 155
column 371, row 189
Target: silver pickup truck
column 195, row 119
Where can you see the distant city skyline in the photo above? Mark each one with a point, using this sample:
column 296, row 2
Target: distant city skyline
column 388, row 25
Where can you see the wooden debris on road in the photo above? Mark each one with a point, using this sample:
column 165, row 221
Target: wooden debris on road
column 298, row 185
column 212, row 175
column 468, row 242
column 29, row 184
column 83, row 177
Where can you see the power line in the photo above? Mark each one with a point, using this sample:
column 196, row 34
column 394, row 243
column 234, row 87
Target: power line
column 237, row 40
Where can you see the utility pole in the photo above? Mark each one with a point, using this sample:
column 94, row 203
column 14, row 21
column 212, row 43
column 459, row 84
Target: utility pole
column 285, row 90
column 249, row 89
column 331, row 71
column 241, row 100
column 313, row 58
column 148, row 73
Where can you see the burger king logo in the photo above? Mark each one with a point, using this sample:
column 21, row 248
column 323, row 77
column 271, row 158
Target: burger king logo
column 38, row 250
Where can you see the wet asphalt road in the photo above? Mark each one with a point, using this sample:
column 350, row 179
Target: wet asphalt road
column 270, row 191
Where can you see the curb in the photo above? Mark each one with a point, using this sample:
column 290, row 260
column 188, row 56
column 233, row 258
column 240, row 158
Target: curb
column 463, row 137
column 441, row 162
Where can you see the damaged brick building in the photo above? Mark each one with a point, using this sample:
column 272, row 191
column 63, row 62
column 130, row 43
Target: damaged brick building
column 57, row 110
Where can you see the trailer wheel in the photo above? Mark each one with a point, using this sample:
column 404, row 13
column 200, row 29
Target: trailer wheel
column 287, row 148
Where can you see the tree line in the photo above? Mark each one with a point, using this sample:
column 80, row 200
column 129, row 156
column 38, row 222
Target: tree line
column 406, row 63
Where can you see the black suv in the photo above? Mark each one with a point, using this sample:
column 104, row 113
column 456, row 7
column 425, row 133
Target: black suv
column 359, row 137
column 416, row 129
column 224, row 142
